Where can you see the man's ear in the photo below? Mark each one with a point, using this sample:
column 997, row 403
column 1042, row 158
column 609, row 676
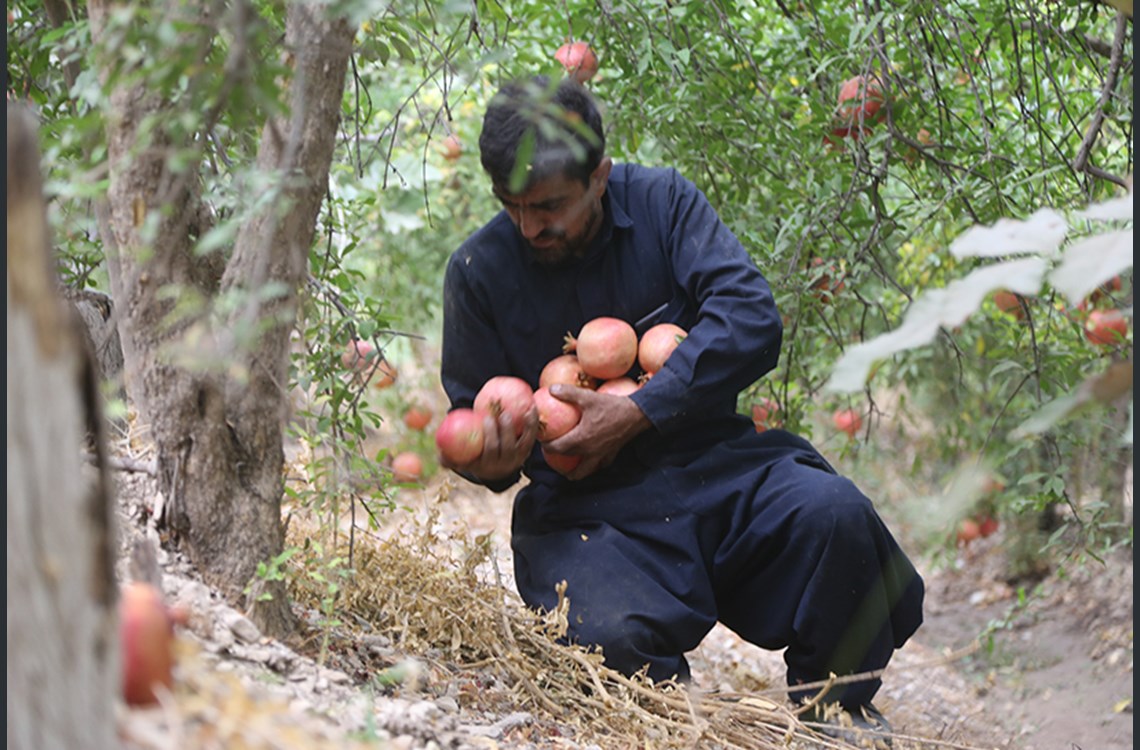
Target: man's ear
column 601, row 175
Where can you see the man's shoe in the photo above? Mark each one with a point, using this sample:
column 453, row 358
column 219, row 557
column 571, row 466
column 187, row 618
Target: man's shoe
column 861, row 727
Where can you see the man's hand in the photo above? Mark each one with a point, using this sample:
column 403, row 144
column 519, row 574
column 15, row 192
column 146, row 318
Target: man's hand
column 503, row 450
column 608, row 424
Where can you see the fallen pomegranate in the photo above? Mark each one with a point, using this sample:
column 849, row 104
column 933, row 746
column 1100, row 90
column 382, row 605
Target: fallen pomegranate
column 407, row 467
column 555, row 417
column 459, row 436
column 987, row 525
column 968, row 531
column 606, row 347
column 1106, row 327
column 146, row 635
column 847, row 420
column 565, row 368
column 657, row 344
column 384, row 374
column 578, row 59
column 417, row 417
column 506, row 394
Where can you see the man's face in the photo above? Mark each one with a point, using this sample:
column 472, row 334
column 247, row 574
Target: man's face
column 559, row 215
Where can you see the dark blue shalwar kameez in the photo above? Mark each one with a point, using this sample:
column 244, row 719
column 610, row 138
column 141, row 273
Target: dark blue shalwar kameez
column 701, row 518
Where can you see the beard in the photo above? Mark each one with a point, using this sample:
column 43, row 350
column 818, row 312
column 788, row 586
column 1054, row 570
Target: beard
column 557, row 247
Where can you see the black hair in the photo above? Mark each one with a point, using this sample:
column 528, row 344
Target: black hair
column 533, row 129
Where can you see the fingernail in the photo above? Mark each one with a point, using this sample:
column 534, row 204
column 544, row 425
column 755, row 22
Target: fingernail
column 556, row 389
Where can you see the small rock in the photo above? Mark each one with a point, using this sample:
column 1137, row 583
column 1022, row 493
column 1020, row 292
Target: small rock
column 241, row 626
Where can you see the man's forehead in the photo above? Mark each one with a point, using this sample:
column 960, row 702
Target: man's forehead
column 548, row 188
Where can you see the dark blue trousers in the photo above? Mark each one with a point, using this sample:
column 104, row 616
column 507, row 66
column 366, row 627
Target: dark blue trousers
column 758, row 532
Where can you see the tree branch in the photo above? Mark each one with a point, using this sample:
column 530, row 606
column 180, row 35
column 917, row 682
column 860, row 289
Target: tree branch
column 1081, row 162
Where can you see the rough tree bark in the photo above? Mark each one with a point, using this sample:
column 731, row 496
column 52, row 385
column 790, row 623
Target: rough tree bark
column 62, row 639
column 218, row 430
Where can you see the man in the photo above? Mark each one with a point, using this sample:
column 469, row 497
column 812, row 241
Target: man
column 679, row 514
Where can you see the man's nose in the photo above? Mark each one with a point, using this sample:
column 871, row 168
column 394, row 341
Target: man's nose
column 529, row 224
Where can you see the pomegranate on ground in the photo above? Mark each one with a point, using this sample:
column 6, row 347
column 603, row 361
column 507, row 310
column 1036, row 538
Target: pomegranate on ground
column 146, row 635
column 417, row 417
column 407, row 467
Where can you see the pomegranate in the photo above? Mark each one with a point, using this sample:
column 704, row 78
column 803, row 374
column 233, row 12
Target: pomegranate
column 968, row 531
column 459, row 436
column 555, row 418
column 606, row 347
column 1008, row 302
column 565, row 368
column 451, row 148
column 1106, row 327
column 358, row 356
column 146, row 634
column 417, row 417
column 506, row 394
column 563, row 463
column 860, row 99
column 848, row 420
column 579, row 60
column 763, row 414
column 384, row 374
column 657, row 344
column 407, row 467
column 987, row 525
column 622, row 386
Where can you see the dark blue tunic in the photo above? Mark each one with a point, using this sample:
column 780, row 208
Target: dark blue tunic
column 701, row 518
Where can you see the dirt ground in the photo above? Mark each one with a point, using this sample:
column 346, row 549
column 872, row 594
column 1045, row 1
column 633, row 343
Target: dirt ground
column 1056, row 674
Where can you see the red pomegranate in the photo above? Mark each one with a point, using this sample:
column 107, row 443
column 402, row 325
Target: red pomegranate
column 506, row 394
column 563, row 463
column 565, row 368
column 606, row 347
column 657, row 344
column 459, row 436
column 622, row 386
column 555, row 417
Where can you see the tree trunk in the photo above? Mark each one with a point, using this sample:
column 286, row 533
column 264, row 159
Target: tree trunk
column 62, row 637
column 218, row 423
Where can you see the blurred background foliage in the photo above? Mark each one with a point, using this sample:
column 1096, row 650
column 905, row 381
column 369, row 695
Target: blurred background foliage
column 987, row 110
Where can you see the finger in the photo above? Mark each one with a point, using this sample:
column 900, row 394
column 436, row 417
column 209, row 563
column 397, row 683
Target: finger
column 571, row 394
column 492, row 446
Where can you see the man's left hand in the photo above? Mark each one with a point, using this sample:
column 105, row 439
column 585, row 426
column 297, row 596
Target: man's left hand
column 608, row 423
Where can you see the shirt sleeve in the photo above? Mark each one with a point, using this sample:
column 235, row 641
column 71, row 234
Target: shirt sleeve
column 472, row 351
column 737, row 334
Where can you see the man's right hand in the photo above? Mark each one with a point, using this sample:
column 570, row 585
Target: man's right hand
column 503, row 451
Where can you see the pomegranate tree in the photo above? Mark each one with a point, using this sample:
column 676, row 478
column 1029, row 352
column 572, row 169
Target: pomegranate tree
column 606, row 347
column 506, row 394
column 657, row 344
column 459, row 436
